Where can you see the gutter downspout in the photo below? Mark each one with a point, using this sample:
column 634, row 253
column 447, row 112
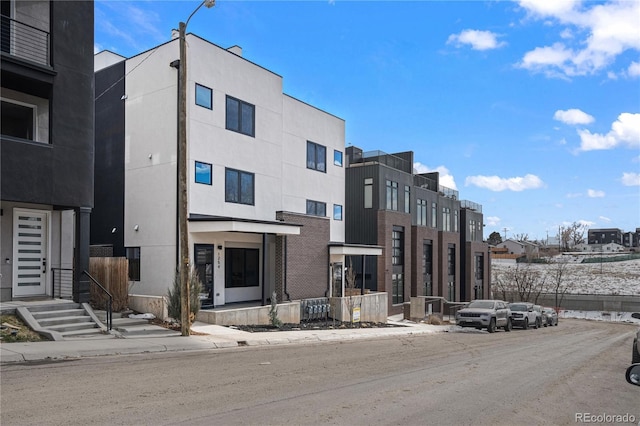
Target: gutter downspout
column 284, row 269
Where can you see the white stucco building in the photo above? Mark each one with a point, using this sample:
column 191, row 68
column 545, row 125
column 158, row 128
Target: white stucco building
column 265, row 175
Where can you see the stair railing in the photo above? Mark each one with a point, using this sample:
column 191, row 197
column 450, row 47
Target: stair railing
column 109, row 306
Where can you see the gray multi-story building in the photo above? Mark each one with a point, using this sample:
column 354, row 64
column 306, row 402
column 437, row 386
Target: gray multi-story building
column 432, row 241
column 47, row 148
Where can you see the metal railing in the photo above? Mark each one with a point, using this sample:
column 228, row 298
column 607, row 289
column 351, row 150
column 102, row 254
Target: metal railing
column 62, row 285
column 109, row 307
column 24, row 41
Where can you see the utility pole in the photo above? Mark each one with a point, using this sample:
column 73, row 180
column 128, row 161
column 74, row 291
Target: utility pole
column 185, row 308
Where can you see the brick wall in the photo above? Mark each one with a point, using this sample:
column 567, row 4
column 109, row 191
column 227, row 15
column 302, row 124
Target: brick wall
column 307, row 256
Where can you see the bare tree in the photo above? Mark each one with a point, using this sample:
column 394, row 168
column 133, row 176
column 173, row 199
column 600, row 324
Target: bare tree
column 571, row 235
column 521, row 237
column 560, row 274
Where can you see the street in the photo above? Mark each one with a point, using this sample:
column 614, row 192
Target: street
column 554, row 375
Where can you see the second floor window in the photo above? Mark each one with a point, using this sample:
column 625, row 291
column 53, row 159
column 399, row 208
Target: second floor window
column 204, row 96
column 407, row 199
column 392, row 195
column 316, row 208
column 203, row 173
column 239, row 187
column 434, row 215
column 240, row 116
column 337, row 212
column 316, row 157
column 397, row 247
column 421, row 213
column 446, row 219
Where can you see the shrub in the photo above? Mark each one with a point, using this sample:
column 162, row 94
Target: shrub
column 174, row 307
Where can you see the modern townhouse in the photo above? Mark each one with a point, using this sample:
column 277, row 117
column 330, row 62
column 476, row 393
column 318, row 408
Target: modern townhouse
column 266, row 182
column 46, row 148
column 432, row 242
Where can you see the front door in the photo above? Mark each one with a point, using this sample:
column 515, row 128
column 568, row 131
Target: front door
column 30, row 252
column 204, row 268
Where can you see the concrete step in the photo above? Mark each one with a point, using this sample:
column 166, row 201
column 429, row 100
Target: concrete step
column 64, row 328
column 87, row 332
column 54, row 307
column 40, row 316
column 148, row 330
column 48, row 322
column 125, row 322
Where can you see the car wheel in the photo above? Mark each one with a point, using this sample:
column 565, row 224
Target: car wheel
column 635, row 356
column 525, row 326
column 509, row 326
column 535, row 324
column 492, row 325
column 539, row 323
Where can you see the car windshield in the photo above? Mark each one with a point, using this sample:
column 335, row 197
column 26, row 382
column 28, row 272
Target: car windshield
column 481, row 305
column 518, row 308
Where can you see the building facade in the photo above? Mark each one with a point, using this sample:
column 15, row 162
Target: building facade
column 432, row 242
column 47, row 150
column 266, row 172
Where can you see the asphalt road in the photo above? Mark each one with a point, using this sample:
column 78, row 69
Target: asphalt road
column 548, row 376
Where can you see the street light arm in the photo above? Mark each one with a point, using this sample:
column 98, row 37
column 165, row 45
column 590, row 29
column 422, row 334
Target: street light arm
column 208, row 3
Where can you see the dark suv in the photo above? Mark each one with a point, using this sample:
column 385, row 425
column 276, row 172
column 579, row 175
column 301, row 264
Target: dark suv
column 489, row 314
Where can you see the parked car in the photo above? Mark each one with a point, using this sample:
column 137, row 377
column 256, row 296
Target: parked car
column 549, row 316
column 489, row 314
column 523, row 315
column 538, row 310
column 635, row 349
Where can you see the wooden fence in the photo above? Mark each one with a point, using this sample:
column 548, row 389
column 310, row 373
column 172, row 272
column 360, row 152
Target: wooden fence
column 113, row 274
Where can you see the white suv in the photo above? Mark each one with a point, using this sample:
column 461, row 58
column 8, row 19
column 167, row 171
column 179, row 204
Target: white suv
column 523, row 315
column 488, row 314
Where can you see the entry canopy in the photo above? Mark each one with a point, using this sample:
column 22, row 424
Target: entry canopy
column 354, row 249
column 202, row 223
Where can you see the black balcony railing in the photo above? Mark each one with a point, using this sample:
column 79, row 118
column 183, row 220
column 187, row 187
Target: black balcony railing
column 24, row 41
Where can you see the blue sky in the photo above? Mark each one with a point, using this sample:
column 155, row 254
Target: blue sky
column 530, row 108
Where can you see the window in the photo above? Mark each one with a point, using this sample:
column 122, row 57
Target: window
column 18, row 120
column 133, row 256
column 446, row 219
column 242, row 267
column 479, row 266
column 203, row 173
column 368, row 193
column 398, row 288
column 434, row 215
column 451, row 260
column 392, row 195
column 337, row 158
column 316, row 208
column 397, row 246
column 204, row 96
column 421, row 214
column 455, row 220
column 240, row 116
column 239, row 187
column 427, row 268
column 407, row 199
column 337, row 212
column 316, row 157
column 472, row 230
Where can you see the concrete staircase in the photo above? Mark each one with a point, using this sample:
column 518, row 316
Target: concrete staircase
column 63, row 321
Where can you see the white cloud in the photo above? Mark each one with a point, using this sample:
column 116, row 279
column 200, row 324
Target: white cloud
column 574, row 195
column 634, row 69
column 496, row 183
column 631, row 179
column 492, row 221
column 445, row 179
column 478, row 40
column 608, row 30
column 573, row 116
column 604, row 218
column 624, row 131
column 594, row 193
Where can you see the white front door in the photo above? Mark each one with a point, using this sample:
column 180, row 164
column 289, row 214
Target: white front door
column 30, row 252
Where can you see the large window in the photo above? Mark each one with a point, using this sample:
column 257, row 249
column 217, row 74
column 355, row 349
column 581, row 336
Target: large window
column 407, row 199
column 203, row 173
column 316, row 208
column 18, row 120
column 397, row 246
column 472, row 230
column 398, row 288
column 239, row 187
column 455, row 220
column 368, row 193
column 427, row 267
column 133, row 256
column 240, row 116
column 242, row 267
column 316, row 157
column 434, row 215
column 421, row 214
column 204, row 96
column 392, row 195
column 446, row 219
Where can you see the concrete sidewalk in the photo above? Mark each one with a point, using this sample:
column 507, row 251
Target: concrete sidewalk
column 212, row 337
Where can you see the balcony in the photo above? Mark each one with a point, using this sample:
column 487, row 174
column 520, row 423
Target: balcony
column 466, row 204
column 23, row 41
